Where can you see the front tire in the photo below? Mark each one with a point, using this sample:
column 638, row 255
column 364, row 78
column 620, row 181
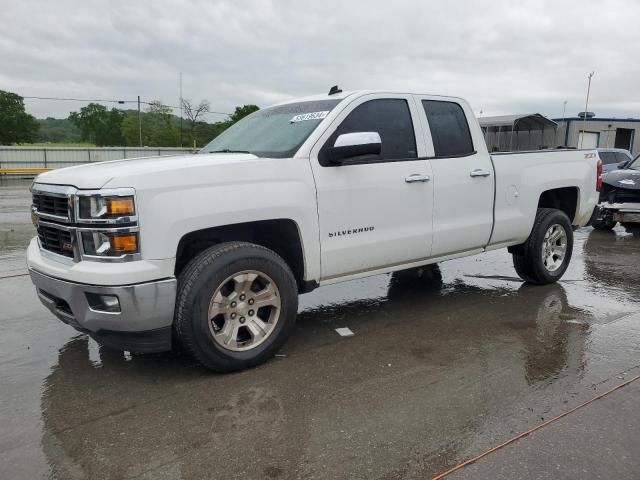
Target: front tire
column 546, row 254
column 236, row 306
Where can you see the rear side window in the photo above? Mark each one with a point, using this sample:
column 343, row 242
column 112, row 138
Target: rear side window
column 621, row 157
column 449, row 128
column 391, row 118
column 608, row 158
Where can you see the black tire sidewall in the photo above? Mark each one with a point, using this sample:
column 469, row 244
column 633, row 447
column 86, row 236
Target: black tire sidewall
column 534, row 250
column 602, row 225
column 209, row 279
column 606, row 223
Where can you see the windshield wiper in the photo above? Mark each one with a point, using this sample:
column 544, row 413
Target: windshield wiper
column 227, row 150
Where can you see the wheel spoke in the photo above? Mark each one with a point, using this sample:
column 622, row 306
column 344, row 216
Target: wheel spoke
column 258, row 328
column 219, row 305
column 266, row 297
column 244, row 281
column 229, row 333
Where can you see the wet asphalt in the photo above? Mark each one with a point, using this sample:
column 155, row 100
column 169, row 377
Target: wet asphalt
column 445, row 363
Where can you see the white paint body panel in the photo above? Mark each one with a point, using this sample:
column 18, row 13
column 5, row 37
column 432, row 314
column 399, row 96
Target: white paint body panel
column 372, row 195
column 449, row 216
column 460, row 223
column 521, row 179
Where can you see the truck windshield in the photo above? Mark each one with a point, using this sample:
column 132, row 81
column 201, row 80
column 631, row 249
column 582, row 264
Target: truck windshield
column 635, row 164
column 276, row 132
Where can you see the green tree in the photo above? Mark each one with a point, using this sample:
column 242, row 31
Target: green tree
column 242, row 112
column 89, row 120
column 99, row 125
column 57, row 130
column 208, row 131
column 16, row 125
column 113, row 132
column 163, row 112
column 162, row 122
column 130, row 133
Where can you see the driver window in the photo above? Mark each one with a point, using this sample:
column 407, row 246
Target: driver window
column 391, row 118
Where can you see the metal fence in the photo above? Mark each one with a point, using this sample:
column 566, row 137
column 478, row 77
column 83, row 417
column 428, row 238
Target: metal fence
column 52, row 157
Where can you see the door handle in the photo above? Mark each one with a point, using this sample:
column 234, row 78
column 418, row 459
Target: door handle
column 478, row 172
column 417, row 178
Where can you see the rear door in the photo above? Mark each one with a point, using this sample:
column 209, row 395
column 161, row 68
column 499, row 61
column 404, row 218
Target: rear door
column 463, row 176
column 374, row 211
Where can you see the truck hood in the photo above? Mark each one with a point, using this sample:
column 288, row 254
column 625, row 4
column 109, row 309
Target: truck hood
column 97, row 175
column 628, row 179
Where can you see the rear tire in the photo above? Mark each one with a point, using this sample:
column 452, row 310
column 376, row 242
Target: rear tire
column 546, row 254
column 236, row 306
column 598, row 225
column 603, row 221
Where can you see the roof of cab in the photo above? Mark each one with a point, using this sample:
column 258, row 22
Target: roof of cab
column 326, row 96
column 349, row 93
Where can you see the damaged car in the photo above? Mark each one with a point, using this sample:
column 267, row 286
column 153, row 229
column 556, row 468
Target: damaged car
column 620, row 198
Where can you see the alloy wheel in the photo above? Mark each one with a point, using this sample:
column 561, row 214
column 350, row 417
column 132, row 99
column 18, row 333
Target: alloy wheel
column 244, row 310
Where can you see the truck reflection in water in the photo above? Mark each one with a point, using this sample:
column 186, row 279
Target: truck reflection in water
column 550, row 329
column 432, row 366
column 611, row 262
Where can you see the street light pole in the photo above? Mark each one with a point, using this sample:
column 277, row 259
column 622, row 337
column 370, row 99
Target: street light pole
column 181, row 144
column 586, row 109
column 139, row 122
column 564, row 110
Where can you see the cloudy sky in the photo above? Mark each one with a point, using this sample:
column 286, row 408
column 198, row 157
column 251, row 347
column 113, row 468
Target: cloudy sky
column 503, row 56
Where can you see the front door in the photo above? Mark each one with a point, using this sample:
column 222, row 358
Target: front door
column 374, row 211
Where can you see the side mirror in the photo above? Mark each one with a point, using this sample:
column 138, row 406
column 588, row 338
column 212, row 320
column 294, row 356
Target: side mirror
column 622, row 165
column 355, row 144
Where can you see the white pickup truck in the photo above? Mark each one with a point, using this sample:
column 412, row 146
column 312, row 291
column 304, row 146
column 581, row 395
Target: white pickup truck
column 213, row 249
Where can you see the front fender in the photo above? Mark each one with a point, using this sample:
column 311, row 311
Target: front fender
column 170, row 207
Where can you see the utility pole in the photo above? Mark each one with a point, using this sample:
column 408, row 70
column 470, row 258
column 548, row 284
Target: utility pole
column 586, row 110
column 181, row 110
column 139, row 122
column 564, row 110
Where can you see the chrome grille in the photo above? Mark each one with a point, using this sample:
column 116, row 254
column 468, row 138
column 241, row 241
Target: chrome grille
column 51, row 205
column 56, row 240
column 54, row 213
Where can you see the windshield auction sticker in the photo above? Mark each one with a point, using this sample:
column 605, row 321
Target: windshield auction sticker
column 309, row 116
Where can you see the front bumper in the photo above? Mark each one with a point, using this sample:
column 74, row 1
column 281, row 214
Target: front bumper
column 143, row 323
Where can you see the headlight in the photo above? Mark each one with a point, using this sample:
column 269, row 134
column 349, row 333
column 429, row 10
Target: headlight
column 109, row 244
column 105, row 208
column 107, row 224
